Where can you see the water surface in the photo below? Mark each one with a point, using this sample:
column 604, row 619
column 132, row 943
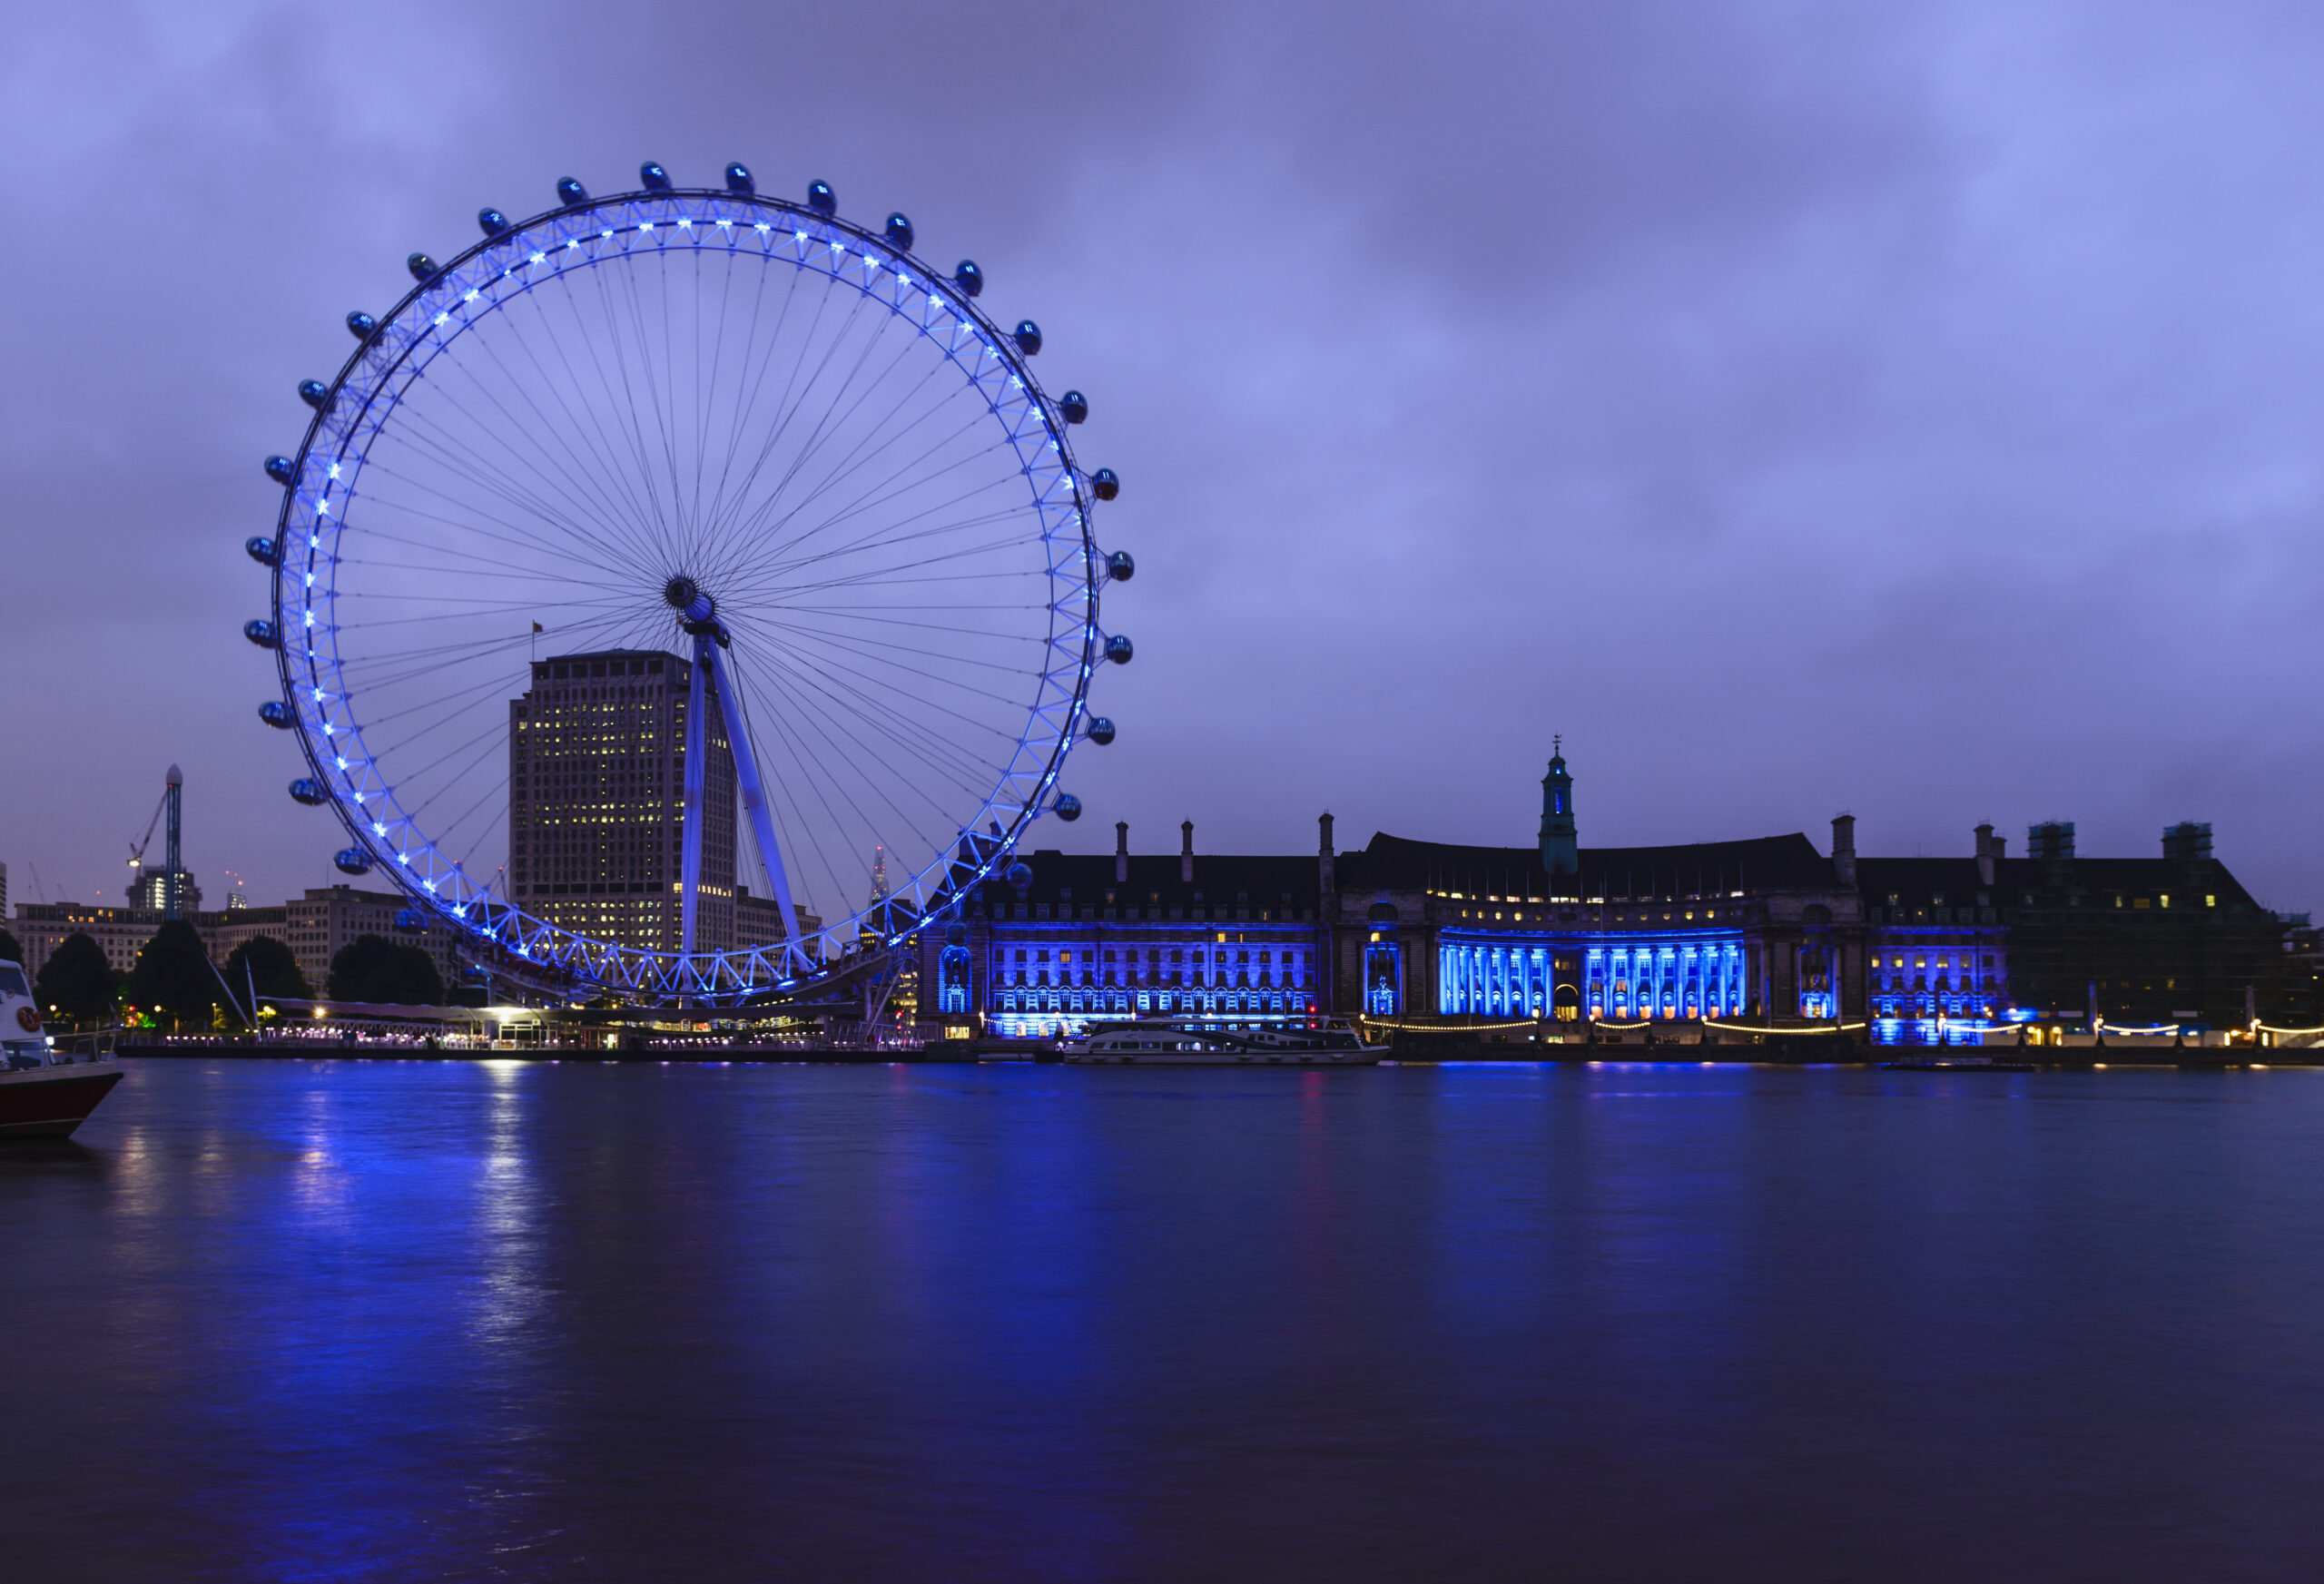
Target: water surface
column 347, row 1320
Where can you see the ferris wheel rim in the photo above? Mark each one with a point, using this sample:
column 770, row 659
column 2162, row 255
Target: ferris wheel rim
column 482, row 913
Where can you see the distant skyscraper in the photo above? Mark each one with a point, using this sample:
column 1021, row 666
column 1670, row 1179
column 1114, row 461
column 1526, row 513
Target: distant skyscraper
column 597, row 792
column 868, row 933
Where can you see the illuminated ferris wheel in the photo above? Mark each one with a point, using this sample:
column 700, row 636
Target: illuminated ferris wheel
column 773, row 446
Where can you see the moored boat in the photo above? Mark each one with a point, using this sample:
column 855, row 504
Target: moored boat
column 1194, row 1042
column 44, row 1092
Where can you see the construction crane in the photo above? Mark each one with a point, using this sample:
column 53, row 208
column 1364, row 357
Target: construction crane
column 172, row 868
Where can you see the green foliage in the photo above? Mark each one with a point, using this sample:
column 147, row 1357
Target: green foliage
column 11, row 949
column 173, row 980
column 77, row 982
column 265, row 964
column 371, row 968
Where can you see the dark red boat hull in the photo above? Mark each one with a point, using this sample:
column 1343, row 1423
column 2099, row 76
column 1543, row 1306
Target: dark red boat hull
column 54, row 1104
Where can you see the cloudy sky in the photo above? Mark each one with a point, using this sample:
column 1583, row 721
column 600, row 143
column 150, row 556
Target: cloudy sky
column 1912, row 410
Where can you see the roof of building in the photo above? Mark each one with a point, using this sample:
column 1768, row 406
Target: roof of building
column 607, row 654
column 1220, row 879
column 1397, row 863
column 1695, row 869
column 1918, row 880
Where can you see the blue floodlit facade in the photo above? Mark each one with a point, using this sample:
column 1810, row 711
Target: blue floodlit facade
column 1937, row 968
column 1630, row 977
column 1560, row 933
column 1629, row 935
column 1230, row 940
column 1053, row 976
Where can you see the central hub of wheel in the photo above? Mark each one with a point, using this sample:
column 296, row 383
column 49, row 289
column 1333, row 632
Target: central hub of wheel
column 697, row 612
column 683, row 594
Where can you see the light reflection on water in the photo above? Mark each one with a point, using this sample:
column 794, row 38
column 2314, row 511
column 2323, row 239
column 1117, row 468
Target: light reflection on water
column 353, row 1320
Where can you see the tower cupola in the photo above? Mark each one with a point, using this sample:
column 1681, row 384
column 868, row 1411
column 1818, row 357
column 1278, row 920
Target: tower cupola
column 1560, row 853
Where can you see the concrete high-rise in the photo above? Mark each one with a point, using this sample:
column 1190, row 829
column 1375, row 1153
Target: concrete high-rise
column 596, row 801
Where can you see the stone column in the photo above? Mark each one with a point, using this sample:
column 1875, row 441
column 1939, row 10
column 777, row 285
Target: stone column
column 1783, row 981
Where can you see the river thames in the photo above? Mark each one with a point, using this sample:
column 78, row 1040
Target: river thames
column 351, row 1319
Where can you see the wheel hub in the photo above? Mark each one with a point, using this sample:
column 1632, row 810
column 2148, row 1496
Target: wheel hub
column 683, row 594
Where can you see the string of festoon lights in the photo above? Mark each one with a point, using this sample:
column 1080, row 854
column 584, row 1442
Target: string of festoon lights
column 1389, row 1023
column 1770, row 1029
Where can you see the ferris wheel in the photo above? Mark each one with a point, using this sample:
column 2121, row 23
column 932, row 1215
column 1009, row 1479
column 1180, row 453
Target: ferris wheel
column 664, row 504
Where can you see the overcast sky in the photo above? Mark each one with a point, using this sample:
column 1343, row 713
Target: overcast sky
column 1911, row 410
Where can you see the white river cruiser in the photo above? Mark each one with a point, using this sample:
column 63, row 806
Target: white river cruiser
column 44, row 1092
column 1194, row 1042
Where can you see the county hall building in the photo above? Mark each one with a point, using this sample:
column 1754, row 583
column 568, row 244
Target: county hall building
column 1767, row 932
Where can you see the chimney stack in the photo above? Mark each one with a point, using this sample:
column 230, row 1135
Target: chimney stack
column 2188, row 844
column 1121, row 853
column 1844, row 848
column 1187, row 852
column 1324, row 881
column 1986, row 855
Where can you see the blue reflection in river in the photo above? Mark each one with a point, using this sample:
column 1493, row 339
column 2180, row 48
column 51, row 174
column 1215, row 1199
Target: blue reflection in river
column 356, row 1320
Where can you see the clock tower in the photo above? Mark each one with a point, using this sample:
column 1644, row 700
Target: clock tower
column 1559, row 855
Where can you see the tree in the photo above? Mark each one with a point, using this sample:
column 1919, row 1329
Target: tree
column 265, row 964
column 77, row 982
column 11, row 949
column 173, row 979
column 412, row 978
column 372, row 968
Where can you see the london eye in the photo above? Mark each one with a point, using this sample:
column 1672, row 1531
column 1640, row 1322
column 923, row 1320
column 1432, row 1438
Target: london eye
column 679, row 590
